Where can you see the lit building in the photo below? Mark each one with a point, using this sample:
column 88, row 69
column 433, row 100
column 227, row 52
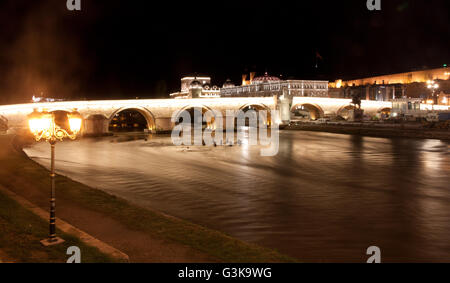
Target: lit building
column 270, row 85
column 400, row 78
column 415, row 84
column 196, row 87
column 263, row 86
column 37, row 99
column 416, row 108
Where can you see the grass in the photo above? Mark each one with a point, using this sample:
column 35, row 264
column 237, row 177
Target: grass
column 21, row 232
column 216, row 244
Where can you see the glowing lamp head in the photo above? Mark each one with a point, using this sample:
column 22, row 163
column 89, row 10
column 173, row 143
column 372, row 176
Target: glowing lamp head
column 75, row 121
column 39, row 122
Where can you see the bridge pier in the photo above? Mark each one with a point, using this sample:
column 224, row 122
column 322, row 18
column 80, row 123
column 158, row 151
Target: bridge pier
column 284, row 108
column 163, row 124
column 95, row 125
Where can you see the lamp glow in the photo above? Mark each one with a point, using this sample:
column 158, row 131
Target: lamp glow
column 75, row 121
column 39, row 125
column 43, row 126
column 40, row 122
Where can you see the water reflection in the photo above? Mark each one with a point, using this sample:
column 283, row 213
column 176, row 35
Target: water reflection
column 324, row 197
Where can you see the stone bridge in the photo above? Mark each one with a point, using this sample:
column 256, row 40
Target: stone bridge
column 98, row 114
column 329, row 107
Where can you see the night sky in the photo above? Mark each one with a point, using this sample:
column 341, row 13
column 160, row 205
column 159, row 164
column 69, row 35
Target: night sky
column 124, row 49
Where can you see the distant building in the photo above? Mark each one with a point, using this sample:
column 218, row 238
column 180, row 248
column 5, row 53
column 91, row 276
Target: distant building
column 36, row 99
column 200, row 87
column 416, row 108
column 270, row 85
column 413, row 84
column 400, row 78
column 196, row 87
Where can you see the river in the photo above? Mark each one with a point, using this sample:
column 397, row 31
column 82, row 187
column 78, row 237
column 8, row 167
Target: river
column 323, row 198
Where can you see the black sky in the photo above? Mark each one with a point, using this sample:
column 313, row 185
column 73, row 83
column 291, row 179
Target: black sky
column 121, row 49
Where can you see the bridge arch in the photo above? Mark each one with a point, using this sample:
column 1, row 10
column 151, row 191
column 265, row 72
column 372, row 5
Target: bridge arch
column 344, row 111
column 384, row 109
column 61, row 118
column 149, row 117
column 192, row 106
column 191, row 109
column 59, row 109
column 257, row 107
column 314, row 111
column 385, row 112
column 96, row 116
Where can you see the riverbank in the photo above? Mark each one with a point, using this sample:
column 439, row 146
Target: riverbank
column 144, row 235
column 373, row 130
column 22, row 230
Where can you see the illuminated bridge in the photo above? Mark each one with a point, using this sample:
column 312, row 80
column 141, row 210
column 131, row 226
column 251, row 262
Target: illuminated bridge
column 98, row 114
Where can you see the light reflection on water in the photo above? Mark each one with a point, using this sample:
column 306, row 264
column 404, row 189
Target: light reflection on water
column 324, row 197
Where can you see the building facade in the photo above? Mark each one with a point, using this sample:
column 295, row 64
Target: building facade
column 263, row 86
column 196, row 87
column 269, row 86
column 415, row 84
column 400, row 78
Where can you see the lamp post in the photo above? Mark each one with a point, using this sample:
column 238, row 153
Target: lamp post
column 43, row 127
column 432, row 85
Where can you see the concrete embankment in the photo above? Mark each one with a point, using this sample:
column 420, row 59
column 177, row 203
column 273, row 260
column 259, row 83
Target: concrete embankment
column 411, row 130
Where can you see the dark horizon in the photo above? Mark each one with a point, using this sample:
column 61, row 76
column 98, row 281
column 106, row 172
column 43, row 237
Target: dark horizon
column 119, row 49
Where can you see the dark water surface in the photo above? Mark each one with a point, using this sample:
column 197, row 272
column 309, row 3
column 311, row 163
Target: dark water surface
column 324, row 197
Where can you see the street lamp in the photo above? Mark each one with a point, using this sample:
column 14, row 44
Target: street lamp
column 432, row 85
column 43, row 127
